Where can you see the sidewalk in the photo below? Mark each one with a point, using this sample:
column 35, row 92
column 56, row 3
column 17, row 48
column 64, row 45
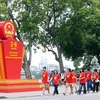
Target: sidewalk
column 29, row 94
column 12, row 96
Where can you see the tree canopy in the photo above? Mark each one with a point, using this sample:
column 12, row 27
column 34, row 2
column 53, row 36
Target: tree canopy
column 72, row 26
column 82, row 29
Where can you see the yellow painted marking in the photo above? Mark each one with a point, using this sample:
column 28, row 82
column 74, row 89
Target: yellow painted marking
column 18, row 81
column 2, row 74
column 13, row 57
column 20, row 87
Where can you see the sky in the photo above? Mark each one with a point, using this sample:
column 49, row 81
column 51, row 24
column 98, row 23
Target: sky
column 39, row 56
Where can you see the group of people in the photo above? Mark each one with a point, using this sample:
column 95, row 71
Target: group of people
column 87, row 79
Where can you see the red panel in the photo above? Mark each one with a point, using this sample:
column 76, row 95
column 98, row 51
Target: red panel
column 13, row 55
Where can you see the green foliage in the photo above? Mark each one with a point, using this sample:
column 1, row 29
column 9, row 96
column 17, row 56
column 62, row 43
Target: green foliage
column 77, row 63
column 87, row 61
column 3, row 11
column 83, row 30
column 74, row 25
column 27, row 15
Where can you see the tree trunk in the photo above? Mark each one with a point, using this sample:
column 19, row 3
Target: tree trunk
column 60, row 59
column 30, row 49
column 54, row 35
column 30, row 55
column 26, row 68
column 26, row 64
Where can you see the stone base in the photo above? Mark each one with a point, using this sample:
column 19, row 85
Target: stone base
column 20, row 85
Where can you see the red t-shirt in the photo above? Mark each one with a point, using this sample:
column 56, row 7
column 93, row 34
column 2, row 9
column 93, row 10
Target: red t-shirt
column 56, row 78
column 45, row 77
column 89, row 75
column 83, row 76
column 68, row 77
column 96, row 76
column 74, row 80
column 99, row 76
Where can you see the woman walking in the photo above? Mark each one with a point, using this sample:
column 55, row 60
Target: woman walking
column 56, row 79
column 82, row 79
column 68, row 80
column 95, row 81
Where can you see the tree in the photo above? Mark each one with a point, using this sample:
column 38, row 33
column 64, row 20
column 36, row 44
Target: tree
column 25, row 14
column 72, row 26
column 82, row 29
column 56, row 13
column 77, row 63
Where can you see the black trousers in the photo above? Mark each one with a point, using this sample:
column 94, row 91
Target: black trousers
column 55, row 88
column 95, row 86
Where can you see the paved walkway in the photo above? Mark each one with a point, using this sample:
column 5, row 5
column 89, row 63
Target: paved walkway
column 29, row 94
column 37, row 95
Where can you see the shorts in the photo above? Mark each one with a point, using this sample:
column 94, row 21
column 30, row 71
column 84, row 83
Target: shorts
column 74, row 84
column 68, row 84
column 45, row 85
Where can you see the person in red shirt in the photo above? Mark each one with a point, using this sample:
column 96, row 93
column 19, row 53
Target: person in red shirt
column 68, row 80
column 89, row 80
column 45, row 80
column 82, row 79
column 74, row 80
column 95, row 81
column 56, row 79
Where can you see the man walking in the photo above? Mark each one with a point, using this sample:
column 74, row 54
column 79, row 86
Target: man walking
column 89, row 80
column 45, row 80
column 82, row 79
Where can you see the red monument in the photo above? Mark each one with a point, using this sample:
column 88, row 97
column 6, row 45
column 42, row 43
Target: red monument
column 11, row 58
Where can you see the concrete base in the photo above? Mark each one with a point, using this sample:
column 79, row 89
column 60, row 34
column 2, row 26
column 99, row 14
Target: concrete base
column 20, row 85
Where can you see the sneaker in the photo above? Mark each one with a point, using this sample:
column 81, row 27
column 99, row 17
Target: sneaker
column 48, row 93
column 64, row 94
column 43, row 93
column 71, row 93
column 88, row 91
column 84, row 93
column 78, row 93
column 53, row 94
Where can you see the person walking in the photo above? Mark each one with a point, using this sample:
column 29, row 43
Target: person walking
column 45, row 81
column 95, row 81
column 56, row 79
column 68, row 80
column 51, row 74
column 89, row 80
column 82, row 79
column 74, row 81
column 62, row 76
